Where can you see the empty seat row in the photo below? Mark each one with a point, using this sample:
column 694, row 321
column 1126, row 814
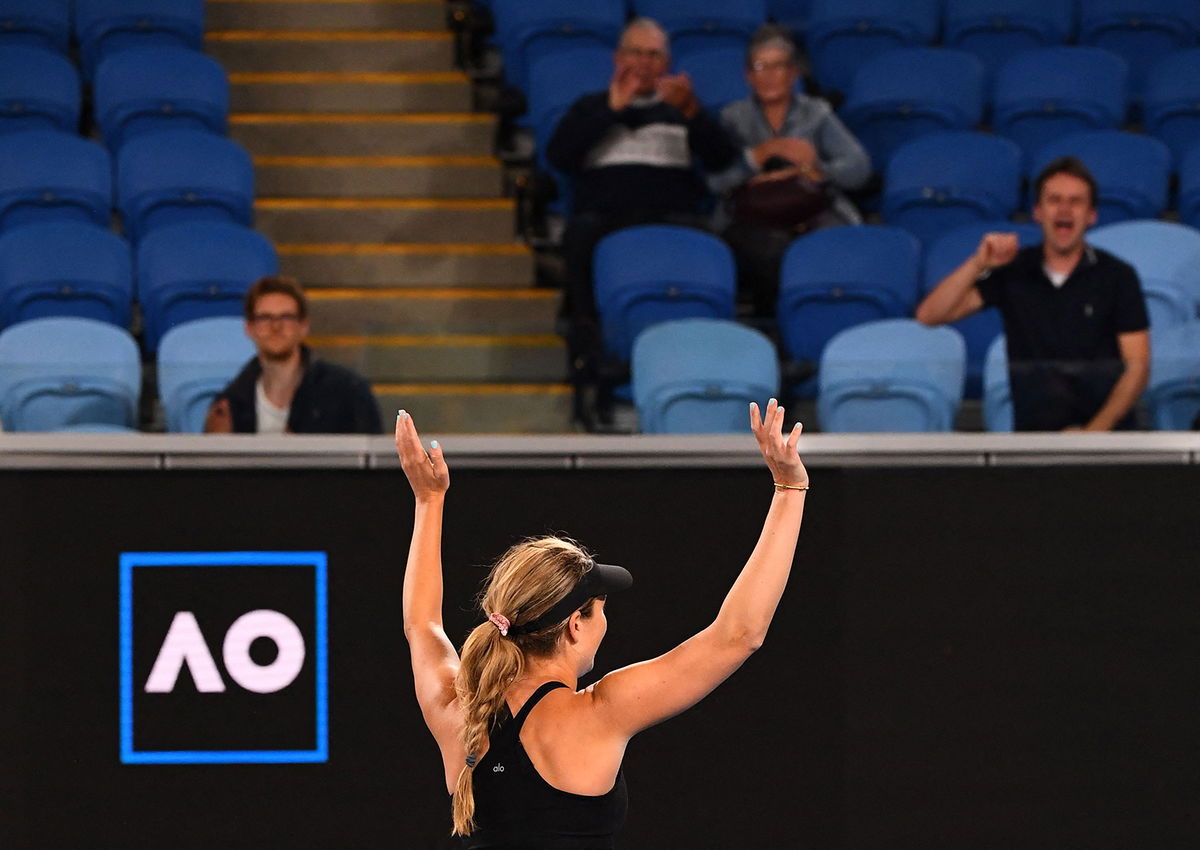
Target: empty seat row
column 179, row 273
column 161, row 178
column 135, row 91
column 102, row 27
column 79, row 374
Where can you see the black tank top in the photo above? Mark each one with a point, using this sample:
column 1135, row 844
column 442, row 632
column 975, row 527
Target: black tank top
column 516, row 808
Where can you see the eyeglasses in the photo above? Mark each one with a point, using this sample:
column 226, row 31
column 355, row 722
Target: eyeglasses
column 759, row 67
column 644, row 53
column 285, row 318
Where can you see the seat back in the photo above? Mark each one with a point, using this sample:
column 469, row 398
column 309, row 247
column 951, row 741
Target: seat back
column 47, row 175
column 997, row 393
column 527, row 29
column 198, row 270
column 1164, row 253
column 196, row 361
column 65, row 269
column 58, row 373
column 692, row 24
column 1132, row 171
column 649, row 274
column 793, row 14
column 103, row 27
column 183, row 176
column 1189, row 187
column 940, row 181
column 944, row 255
column 993, row 30
column 39, row 89
column 902, row 94
column 891, row 375
column 1040, row 95
column 718, row 72
column 843, row 34
column 1173, row 393
column 693, row 376
column 146, row 89
column 1172, row 101
column 1139, row 32
column 38, row 23
column 843, row 276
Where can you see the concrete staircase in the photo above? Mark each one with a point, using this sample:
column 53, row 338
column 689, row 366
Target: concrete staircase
column 377, row 184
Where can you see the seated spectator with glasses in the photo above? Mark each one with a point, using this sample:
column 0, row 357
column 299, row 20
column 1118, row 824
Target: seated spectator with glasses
column 285, row 389
column 798, row 159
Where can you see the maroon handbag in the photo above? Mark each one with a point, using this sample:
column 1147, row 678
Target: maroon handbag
column 790, row 204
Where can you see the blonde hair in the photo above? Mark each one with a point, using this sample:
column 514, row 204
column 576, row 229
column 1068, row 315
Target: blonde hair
column 522, row 585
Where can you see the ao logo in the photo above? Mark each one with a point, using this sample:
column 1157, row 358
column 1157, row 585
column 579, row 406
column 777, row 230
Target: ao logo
column 185, row 644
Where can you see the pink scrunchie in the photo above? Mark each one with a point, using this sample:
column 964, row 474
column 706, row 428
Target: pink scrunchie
column 501, row 622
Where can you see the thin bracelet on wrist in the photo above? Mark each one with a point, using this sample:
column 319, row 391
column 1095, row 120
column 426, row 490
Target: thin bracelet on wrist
column 779, row 486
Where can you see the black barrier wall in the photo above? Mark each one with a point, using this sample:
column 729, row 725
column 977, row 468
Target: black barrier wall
column 965, row 658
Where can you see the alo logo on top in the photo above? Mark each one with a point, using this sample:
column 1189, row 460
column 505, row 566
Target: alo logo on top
column 223, row 657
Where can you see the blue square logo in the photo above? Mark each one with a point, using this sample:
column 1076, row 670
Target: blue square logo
column 223, row 657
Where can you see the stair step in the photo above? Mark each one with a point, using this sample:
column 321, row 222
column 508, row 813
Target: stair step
column 409, row 264
column 385, row 219
column 430, row 311
column 363, row 134
column 325, row 14
column 479, row 409
column 260, row 50
column 378, row 176
column 328, row 91
column 448, row 357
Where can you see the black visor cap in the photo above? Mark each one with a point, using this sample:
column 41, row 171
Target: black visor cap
column 600, row 580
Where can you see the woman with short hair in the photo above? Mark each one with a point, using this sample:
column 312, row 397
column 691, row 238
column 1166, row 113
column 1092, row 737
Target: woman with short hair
column 531, row 762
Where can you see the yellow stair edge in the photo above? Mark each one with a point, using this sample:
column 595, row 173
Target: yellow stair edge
column 384, row 204
column 472, row 389
column 360, row 118
column 440, row 340
column 377, row 161
column 341, row 293
column 328, row 35
column 312, row 77
column 302, row 249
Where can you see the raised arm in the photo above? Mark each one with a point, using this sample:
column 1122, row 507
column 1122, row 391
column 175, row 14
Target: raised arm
column 956, row 295
column 638, row 696
column 434, row 660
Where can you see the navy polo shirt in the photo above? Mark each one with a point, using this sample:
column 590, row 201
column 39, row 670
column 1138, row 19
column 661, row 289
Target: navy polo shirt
column 1063, row 352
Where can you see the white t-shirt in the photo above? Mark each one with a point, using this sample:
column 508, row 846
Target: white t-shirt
column 1056, row 278
column 271, row 419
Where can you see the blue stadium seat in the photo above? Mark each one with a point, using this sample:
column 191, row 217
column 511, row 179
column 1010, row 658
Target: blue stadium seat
column 146, row 89
column 997, row 393
column 698, row 376
column 65, row 268
column 198, row 270
column 183, row 175
column 718, row 73
column 527, row 29
column 39, row 90
column 103, row 27
column 649, row 274
column 1173, row 393
column 60, row 373
column 843, row 34
column 902, row 94
column 1132, row 171
column 693, row 24
column 556, row 80
column 48, row 175
column 993, row 30
column 937, row 182
column 196, row 360
column 38, row 23
column 1167, row 258
column 1040, row 95
column 839, row 277
column 1139, row 31
column 1172, row 101
column 891, row 375
column 793, row 14
column 1189, row 187
column 947, row 253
